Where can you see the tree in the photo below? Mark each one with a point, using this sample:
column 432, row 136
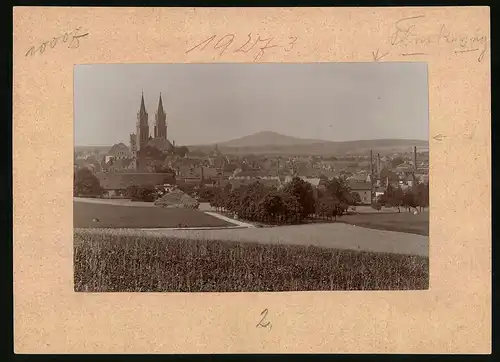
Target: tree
column 181, row 151
column 304, row 193
column 385, row 174
column 293, row 209
column 393, row 197
column 340, row 191
column 144, row 193
column 422, row 195
column 272, row 206
column 328, row 207
column 395, row 162
column 409, row 199
column 228, row 187
column 356, row 198
column 206, row 194
column 85, row 183
column 219, row 199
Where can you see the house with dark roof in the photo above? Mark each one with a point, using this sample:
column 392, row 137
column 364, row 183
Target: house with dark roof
column 256, row 175
column 116, row 183
column 244, row 182
column 192, row 174
column 363, row 189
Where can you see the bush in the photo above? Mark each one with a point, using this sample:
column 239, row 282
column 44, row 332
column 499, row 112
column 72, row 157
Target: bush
column 206, row 195
column 142, row 193
column 377, row 206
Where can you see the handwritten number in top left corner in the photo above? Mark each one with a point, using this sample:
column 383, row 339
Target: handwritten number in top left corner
column 72, row 37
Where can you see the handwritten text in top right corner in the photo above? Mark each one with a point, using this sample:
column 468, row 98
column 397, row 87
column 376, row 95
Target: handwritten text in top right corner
column 409, row 38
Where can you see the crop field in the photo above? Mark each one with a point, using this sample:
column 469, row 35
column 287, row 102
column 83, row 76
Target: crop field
column 114, row 216
column 405, row 222
column 116, row 262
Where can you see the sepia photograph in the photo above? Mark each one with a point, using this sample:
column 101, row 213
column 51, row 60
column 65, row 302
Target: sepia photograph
column 264, row 177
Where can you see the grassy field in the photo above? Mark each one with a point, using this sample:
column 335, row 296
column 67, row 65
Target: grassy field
column 114, row 216
column 127, row 263
column 404, row 222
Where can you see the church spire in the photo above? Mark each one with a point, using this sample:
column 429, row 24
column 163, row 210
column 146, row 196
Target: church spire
column 160, row 106
column 143, row 107
column 160, row 129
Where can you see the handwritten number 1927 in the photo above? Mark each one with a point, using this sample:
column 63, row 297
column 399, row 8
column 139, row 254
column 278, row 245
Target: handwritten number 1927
column 227, row 40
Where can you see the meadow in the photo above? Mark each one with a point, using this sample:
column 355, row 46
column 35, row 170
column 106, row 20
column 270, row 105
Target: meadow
column 115, row 216
column 405, row 222
column 113, row 262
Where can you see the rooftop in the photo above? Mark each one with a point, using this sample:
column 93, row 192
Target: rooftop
column 121, row 181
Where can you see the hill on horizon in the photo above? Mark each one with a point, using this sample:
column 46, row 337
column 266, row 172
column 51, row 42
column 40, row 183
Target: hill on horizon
column 275, row 143
column 268, row 138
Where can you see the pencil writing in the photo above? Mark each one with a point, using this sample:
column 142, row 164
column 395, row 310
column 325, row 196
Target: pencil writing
column 262, row 323
column 255, row 43
column 72, row 39
column 407, row 36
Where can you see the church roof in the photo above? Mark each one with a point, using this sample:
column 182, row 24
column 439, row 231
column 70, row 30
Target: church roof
column 160, row 143
column 118, row 148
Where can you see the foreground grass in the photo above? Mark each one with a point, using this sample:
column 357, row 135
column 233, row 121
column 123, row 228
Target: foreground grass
column 125, row 263
column 117, row 216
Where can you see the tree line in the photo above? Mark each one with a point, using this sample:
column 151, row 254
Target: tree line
column 292, row 204
column 298, row 200
column 416, row 197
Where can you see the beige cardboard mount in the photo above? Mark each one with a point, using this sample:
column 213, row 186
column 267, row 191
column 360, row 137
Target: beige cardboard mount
column 453, row 316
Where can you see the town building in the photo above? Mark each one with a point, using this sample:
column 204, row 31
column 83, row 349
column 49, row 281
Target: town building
column 116, row 184
column 364, row 189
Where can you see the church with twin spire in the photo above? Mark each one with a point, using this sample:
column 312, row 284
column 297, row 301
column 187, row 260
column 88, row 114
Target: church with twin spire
column 142, row 139
column 142, row 144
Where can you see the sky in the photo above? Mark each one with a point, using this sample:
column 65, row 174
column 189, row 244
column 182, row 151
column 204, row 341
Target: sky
column 217, row 102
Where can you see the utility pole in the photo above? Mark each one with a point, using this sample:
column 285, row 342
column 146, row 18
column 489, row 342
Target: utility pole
column 414, row 166
column 371, row 176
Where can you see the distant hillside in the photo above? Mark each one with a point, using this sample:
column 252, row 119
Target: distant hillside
column 100, row 149
column 268, row 138
column 272, row 143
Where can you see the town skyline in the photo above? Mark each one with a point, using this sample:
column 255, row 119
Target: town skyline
column 392, row 99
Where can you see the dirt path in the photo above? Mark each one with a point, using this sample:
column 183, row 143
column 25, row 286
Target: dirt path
column 119, row 202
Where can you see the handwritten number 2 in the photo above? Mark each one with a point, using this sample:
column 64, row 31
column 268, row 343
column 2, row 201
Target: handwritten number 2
column 240, row 49
column 261, row 322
